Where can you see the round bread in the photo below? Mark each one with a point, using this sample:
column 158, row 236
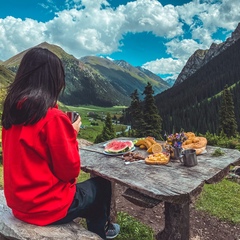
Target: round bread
column 189, row 135
column 200, row 150
column 197, row 143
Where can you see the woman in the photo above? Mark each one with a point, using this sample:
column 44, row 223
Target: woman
column 40, row 152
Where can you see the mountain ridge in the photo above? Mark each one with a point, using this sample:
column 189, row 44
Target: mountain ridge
column 99, row 82
column 201, row 57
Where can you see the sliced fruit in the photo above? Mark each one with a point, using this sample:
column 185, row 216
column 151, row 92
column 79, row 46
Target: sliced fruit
column 117, row 146
column 156, row 148
column 130, row 144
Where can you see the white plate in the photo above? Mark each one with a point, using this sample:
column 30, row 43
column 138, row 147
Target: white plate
column 119, row 153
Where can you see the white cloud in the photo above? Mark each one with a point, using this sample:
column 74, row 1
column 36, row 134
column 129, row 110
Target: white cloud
column 182, row 49
column 17, row 35
column 210, row 15
column 151, row 16
column 165, row 66
column 81, row 34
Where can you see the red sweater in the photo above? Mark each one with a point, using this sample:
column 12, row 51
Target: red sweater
column 41, row 163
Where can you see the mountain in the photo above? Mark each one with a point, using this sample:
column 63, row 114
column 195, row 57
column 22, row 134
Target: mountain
column 202, row 57
column 193, row 105
column 163, row 84
column 123, row 76
column 6, row 77
column 170, row 81
column 94, row 80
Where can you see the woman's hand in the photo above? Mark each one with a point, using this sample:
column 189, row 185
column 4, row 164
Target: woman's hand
column 77, row 124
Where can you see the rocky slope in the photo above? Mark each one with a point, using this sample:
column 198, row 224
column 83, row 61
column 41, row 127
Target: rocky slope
column 202, row 57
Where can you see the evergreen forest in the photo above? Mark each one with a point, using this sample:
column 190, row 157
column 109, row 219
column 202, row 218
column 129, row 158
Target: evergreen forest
column 195, row 104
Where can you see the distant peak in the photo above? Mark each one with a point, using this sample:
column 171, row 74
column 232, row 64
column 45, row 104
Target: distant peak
column 236, row 33
column 43, row 44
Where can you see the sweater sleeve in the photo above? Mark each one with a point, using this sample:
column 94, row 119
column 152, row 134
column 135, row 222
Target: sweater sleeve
column 63, row 148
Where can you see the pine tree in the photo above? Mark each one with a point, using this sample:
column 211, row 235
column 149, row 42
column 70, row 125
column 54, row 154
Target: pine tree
column 136, row 114
column 108, row 131
column 227, row 119
column 152, row 120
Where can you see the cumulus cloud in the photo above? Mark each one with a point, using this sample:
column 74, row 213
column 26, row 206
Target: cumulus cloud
column 182, row 49
column 210, row 16
column 86, row 32
column 165, row 66
column 17, row 35
column 151, row 16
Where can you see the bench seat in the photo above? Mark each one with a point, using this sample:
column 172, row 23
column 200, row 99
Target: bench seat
column 12, row 228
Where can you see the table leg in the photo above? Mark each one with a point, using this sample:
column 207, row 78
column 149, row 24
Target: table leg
column 176, row 222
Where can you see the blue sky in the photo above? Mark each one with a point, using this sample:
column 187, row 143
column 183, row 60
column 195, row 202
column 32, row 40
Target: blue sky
column 157, row 35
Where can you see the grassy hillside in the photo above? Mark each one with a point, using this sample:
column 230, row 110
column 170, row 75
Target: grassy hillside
column 13, row 62
column 6, row 77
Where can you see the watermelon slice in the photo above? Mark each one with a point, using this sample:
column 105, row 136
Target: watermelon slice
column 118, row 146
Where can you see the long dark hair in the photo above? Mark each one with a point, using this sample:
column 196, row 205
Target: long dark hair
column 39, row 80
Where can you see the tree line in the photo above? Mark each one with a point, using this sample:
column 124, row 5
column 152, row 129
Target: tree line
column 145, row 119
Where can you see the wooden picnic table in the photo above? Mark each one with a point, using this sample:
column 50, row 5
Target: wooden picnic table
column 174, row 184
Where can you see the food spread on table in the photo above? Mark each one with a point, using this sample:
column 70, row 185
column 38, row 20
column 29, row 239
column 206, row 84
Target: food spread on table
column 157, row 153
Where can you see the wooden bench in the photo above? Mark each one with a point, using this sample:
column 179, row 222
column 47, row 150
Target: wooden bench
column 12, row 228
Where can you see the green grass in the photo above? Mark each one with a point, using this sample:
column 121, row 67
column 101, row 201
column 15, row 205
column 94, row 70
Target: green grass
column 132, row 229
column 221, row 200
column 83, row 176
